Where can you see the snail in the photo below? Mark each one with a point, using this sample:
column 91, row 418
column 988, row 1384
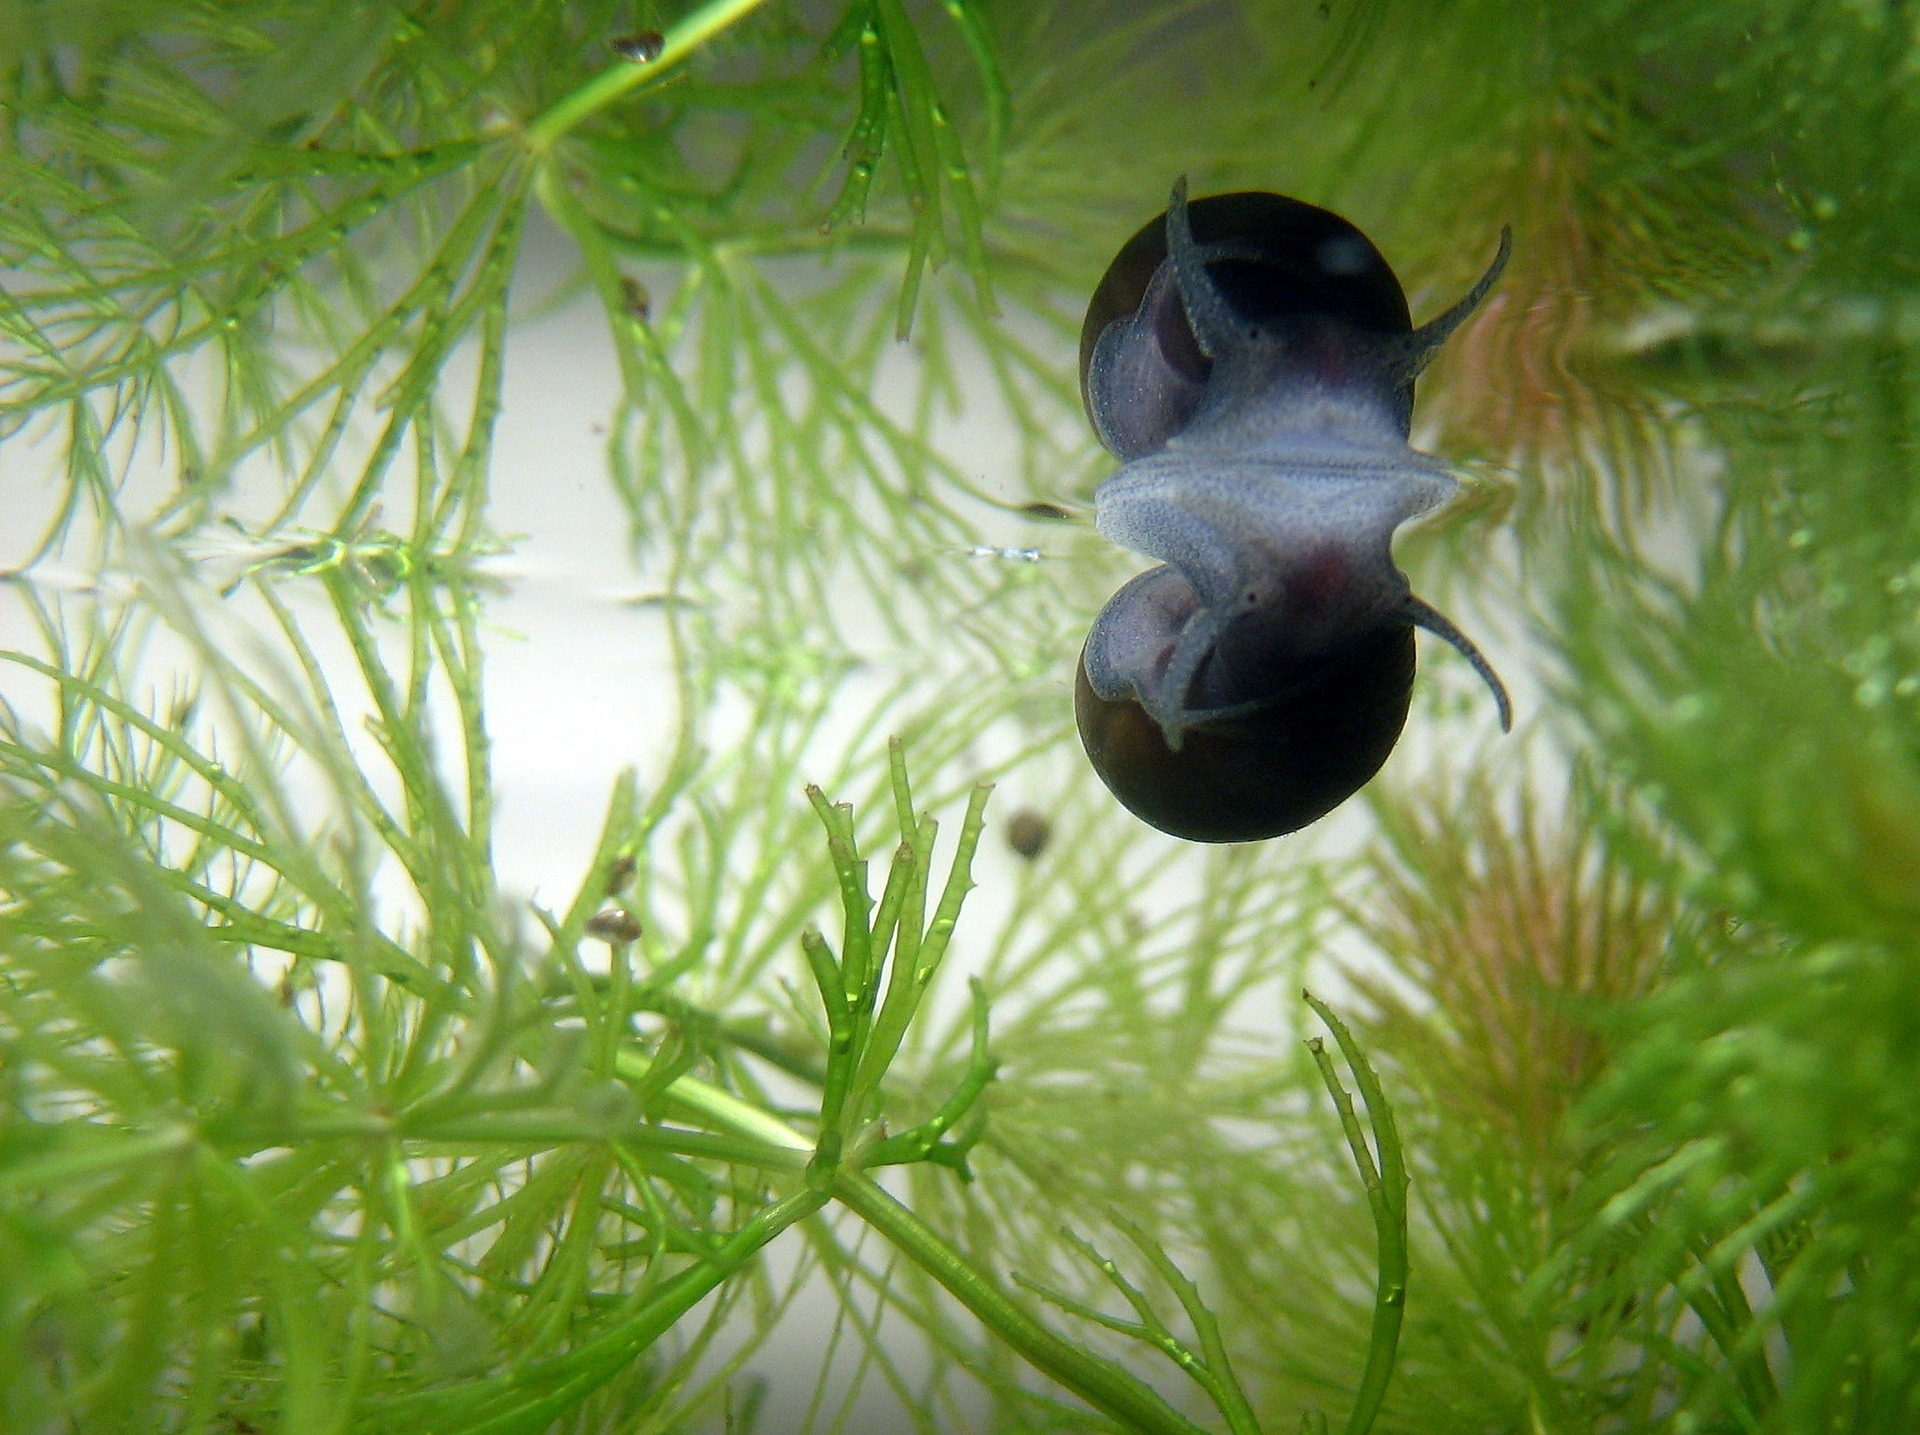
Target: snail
column 1250, row 359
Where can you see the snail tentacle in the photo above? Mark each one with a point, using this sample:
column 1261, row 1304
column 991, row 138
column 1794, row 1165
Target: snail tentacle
column 1425, row 615
column 1208, row 312
column 1424, row 343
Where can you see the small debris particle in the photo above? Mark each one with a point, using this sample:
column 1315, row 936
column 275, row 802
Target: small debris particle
column 613, row 926
column 641, row 47
column 620, row 873
column 1028, row 833
column 636, row 299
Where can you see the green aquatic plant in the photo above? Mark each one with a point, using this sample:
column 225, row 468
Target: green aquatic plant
column 313, row 1119
column 435, row 1144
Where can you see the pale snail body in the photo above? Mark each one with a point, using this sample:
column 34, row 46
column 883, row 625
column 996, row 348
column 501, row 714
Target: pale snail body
column 1251, row 361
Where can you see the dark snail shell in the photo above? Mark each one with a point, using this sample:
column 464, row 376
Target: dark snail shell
column 1251, row 359
column 1270, row 772
column 1296, row 258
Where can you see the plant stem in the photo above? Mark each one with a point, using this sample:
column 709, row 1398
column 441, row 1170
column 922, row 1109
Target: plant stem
column 1386, row 1188
column 722, row 1108
column 678, row 42
column 1106, row 1387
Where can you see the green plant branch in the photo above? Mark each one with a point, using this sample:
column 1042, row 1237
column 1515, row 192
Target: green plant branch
column 1107, row 1387
column 639, row 349
column 542, row 1390
column 448, row 312
column 1213, row 1366
column 84, row 1147
column 1209, row 1369
column 858, row 1059
column 45, row 768
column 678, row 42
column 1386, row 1188
column 720, row 1107
column 926, row 1142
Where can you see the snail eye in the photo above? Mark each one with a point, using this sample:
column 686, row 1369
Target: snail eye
column 1343, row 254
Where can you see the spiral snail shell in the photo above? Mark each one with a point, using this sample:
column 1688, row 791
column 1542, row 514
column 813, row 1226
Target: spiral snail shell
column 1250, row 359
